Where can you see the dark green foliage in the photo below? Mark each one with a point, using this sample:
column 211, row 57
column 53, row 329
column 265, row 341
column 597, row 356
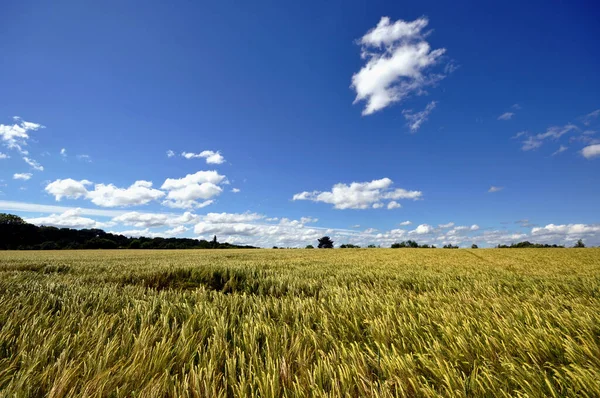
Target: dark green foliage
column 349, row 246
column 410, row 244
column 325, row 243
column 579, row 244
column 528, row 245
column 309, row 247
column 16, row 234
column 449, row 246
column 474, row 246
column 372, row 247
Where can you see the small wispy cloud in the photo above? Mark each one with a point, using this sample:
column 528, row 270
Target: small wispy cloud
column 34, row 164
column 587, row 119
column 170, row 153
column 85, row 158
column 495, row 189
column 506, row 116
column 405, row 223
column 63, row 152
column 516, row 107
column 415, row 120
column 561, row 149
column 235, row 190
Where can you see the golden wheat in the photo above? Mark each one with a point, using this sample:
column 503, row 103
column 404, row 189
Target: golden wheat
column 376, row 322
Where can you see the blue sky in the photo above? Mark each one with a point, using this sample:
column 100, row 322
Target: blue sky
column 344, row 118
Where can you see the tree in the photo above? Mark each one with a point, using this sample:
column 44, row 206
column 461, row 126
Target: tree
column 309, row 247
column 325, row 243
column 474, row 246
column 579, row 244
column 372, row 247
column 10, row 219
column 214, row 242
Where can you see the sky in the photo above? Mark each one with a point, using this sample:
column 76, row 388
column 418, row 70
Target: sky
column 275, row 123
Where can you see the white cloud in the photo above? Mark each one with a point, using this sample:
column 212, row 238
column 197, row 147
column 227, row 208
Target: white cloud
column 84, row 158
column 177, row 231
column 398, row 59
column 555, row 132
column 210, row 156
column 422, row 230
column 63, row 152
column 516, row 107
column 170, row 153
column 71, row 218
column 22, row 176
column 591, row 151
column 359, row 195
column 185, row 192
column 393, row 205
column 404, row 223
column 15, row 136
column 139, row 193
column 495, row 189
column 370, row 231
column 235, row 190
column 155, row 220
column 506, row 116
column 4, row 156
column 415, row 120
column 561, row 149
column 68, row 188
column 448, row 225
column 308, row 220
column 35, row 165
column 224, row 218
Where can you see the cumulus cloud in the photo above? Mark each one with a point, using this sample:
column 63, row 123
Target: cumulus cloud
column 415, row 120
column 185, row 193
column 554, row 133
column 15, row 136
column 4, row 156
column 360, row 195
column 506, row 116
column 591, row 151
column 68, row 188
column 22, row 176
column 495, row 189
column 155, row 220
column 170, row 153
column 398, row 59
column 405, row 223
column 422, row 230
column 235, row 190
column 210, row 156
column 139, row 193
column 69, row 219
column 393, row 205
column 448, row 225
column 105, row 195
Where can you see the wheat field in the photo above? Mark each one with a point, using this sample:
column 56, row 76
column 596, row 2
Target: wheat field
column 269, row 323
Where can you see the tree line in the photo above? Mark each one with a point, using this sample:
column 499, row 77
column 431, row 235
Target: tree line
column 326, row 243
column 16, row 234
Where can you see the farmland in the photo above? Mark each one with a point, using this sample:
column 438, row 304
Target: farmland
column 355, row 322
